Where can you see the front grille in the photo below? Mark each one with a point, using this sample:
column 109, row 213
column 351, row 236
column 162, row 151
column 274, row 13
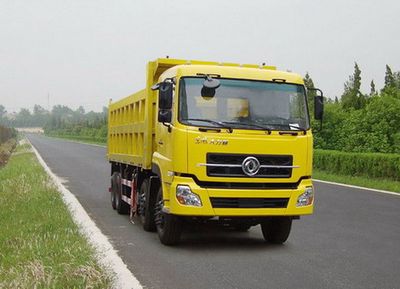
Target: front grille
column 236, row 159
column 249, row 203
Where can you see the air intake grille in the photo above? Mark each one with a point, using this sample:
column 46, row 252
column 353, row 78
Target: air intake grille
column 237, row 171
column 249, row 202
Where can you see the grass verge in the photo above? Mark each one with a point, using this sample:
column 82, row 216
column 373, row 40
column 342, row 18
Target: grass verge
column 373, row 183
column 40, row 245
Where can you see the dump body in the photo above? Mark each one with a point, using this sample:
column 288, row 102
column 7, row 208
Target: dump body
column 248, row 156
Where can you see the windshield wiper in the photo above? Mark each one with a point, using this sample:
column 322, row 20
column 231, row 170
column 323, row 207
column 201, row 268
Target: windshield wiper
column 220, row 124
column 291, row 127
column 267, row 128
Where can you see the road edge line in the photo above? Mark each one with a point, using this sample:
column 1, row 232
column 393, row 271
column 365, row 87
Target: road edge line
column 357, row 187
column 105, row 252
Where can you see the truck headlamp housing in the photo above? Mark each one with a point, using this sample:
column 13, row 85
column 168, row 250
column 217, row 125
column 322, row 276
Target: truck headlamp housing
column 186, row 197
column 306, row 198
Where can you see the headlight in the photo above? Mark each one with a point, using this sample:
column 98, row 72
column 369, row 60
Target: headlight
column 306, row 198
column 186, row 197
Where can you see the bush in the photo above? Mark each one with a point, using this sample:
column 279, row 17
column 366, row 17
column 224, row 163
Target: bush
column 375, row 165
column 6, row 149
column 6, row 134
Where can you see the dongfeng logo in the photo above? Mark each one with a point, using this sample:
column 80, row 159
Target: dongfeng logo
column 250, row 166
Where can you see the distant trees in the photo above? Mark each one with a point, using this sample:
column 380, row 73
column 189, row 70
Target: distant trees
column 64, row 121
column 2, row 111
column 61, row 120
column 24, row 118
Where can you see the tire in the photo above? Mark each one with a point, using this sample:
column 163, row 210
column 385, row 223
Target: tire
column 169, row 227
column 146, row 207
column 276, row 230
column 113, row 190
column 121, row 207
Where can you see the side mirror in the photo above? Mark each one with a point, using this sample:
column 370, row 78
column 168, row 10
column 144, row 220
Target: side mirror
column 318, row 103
column 164, row 115
column 318, row 107
column 165, row 95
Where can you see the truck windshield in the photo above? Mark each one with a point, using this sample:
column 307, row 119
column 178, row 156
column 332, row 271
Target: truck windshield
column 244, row 104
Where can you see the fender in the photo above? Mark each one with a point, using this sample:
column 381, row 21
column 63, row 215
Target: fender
column 160, row 179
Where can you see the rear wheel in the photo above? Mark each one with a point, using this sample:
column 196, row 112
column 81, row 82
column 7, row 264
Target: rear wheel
column 146, row 207
column 121, row 207
column 169, row 227
column 276, row 230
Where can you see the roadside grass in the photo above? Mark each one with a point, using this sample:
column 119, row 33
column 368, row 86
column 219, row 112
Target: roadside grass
column 40, row 245
column 373, row 183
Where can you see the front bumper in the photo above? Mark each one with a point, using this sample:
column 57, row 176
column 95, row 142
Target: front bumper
column 174, row 207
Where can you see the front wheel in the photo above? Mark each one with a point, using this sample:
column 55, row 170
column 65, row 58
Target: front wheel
column 276, row 230
column 169, row 227
column 146, row 207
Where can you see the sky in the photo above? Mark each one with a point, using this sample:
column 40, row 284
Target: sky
column 84, row 52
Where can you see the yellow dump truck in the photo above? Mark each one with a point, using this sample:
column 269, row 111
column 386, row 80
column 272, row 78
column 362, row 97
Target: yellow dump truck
column 213, row 142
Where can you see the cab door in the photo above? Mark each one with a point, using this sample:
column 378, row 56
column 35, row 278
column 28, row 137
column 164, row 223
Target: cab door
column 164, row 131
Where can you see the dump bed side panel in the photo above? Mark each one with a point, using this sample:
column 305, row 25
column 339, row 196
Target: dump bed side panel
column 131, row 125
column 127, row 126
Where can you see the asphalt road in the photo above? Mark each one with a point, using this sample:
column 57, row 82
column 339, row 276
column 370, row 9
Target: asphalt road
column 351, row 241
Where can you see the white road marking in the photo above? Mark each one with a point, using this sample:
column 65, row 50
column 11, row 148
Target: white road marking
column 357, row 187
column 105, row 253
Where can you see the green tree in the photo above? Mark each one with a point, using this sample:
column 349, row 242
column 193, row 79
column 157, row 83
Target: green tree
column 330, row 135
column 389, row 78
column 23, row 118
column 39, row 116
column 381, row 118
column 352, row 98
column 392, row 83
column 373, row 89
column 80, row 110
column 309, row 83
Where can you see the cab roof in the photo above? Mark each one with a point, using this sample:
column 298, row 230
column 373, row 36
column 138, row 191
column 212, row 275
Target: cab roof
column 167, row 68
